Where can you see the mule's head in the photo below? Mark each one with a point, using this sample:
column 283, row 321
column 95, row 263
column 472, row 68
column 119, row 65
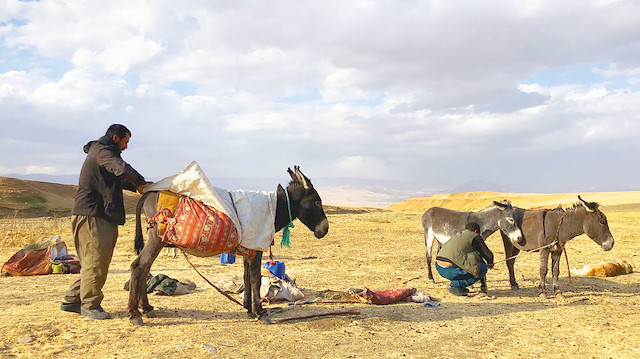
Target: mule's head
column 507, row 221
column 310, row 211
column 596, row 226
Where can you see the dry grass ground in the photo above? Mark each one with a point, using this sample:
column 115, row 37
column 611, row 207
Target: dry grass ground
column 378, row 249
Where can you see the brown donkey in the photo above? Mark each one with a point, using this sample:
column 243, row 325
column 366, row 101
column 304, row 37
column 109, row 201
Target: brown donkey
column 547, row 231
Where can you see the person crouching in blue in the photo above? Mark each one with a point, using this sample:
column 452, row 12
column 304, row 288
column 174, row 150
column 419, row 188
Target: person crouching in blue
column 462, row 259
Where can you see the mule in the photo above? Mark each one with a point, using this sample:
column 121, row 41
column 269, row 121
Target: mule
column 539, row 228
column 304, row 203
column 441, row 223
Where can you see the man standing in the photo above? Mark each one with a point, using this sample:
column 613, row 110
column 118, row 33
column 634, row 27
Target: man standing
column 96, row 214
column 462, row 258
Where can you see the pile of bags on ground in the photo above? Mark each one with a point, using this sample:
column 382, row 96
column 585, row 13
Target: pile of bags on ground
column 48, row 257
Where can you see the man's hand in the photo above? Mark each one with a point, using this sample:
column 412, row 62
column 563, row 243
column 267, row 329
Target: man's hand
column 490, row 266
column 142, row 188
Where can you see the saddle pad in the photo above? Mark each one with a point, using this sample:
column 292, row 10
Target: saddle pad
column 168, row 200
column 201, row 228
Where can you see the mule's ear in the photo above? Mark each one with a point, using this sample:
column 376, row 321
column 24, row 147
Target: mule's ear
column 585, row 204
column 303, row 179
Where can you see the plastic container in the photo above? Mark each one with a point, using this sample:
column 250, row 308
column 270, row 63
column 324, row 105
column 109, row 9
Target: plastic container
column 227, row 258
column 57, row 268
column 276, row 268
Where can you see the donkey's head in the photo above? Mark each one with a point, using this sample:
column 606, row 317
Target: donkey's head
column 309, row 204
column 596, row 226
column 507, row 221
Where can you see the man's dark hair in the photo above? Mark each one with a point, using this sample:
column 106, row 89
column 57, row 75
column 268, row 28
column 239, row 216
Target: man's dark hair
column 119, row 130
column 473, row 227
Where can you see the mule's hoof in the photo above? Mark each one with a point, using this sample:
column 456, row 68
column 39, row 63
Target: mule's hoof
column 542, row 295
column 431, row 280
column 483, row 290
column 252, row 315
column 559, row 295
column 150, row 314
column 137, row 321
column 515, row 287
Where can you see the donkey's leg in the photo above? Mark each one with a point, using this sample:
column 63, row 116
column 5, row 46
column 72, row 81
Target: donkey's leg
column 429, row 238
column 155, row 246
column 252, row 279
column 555, row 271
column 483, row 284
column 256, row 280
column 510, row 251
column 137, row 284
column 247, row 286
column 544, row 261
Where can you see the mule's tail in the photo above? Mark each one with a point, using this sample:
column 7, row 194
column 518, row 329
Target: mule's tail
column 139, row 241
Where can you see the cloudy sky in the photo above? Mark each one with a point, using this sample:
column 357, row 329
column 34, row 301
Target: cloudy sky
column 523, row 96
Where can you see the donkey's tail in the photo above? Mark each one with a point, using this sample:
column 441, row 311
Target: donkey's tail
column 139, row 240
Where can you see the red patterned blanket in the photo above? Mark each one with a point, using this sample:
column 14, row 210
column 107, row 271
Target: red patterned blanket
column 202, row 228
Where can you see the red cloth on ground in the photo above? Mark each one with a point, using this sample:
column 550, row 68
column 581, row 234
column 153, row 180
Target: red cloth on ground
column 29, row 262
column 386, row 296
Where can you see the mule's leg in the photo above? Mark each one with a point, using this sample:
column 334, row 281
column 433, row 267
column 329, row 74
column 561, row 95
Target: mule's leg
column 510, row 251
column 429, row 238
column 555, row 271
column 138, row 282
column 544, row 261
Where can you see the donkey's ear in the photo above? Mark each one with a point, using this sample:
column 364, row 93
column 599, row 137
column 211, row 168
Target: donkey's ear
column 501, row 205
column 303, row 179
column 585, row 204
column 293, row 175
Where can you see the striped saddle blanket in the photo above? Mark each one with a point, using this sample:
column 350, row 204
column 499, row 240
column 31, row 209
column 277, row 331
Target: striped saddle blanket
column 199, row 229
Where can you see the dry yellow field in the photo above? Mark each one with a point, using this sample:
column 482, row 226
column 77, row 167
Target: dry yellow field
column 473, row 201
column 377, row 249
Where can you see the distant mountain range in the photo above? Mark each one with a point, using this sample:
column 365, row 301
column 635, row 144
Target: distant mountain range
column 363, row 192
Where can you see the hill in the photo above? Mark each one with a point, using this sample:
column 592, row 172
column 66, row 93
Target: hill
column 24, row 198
column 473, row 201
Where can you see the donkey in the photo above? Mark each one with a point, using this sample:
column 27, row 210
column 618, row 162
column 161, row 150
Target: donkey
column 442, row 223
column 305, row 204
column 540, row 228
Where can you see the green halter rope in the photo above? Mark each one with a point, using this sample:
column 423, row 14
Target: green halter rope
column 286, row 242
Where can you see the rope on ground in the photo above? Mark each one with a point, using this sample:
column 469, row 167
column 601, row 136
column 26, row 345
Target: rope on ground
column 532, row 250
column 348, row 312
column 213, row 285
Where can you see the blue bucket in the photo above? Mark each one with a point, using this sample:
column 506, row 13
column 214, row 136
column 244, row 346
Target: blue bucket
column 227, row 258
column 276, row 268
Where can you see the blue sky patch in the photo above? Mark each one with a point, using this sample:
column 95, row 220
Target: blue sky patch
column 582, row 74
column 26, row 60
column 311, row 96
column 184, row 88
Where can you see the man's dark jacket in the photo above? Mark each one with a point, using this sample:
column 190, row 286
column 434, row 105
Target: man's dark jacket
column 103, row 176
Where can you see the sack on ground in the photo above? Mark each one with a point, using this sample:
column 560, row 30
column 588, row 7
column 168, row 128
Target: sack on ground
column 274, row 289
column 39, row 260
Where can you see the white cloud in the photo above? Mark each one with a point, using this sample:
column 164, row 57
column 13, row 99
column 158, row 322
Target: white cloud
column 40, row 170
column 401, row 89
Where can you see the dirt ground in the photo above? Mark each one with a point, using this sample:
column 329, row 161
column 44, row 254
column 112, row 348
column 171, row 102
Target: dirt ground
column 597, row 318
